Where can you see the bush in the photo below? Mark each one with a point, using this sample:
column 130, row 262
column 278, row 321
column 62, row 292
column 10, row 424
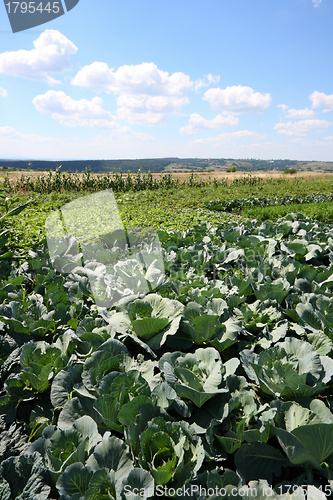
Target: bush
column 290, row 171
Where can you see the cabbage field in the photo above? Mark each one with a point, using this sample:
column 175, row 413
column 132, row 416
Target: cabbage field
column 216, row 384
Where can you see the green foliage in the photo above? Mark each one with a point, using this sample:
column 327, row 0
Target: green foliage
column 176, row 206
column 245, row 203
column 59, row 181
column 322, row 212
column 291, row 369
column 290, row 171
column 196, row 377
column 10, row 209
column 221, row 377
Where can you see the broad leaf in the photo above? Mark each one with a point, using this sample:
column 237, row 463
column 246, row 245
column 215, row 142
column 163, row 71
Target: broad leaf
column 295, row 450
column 259, row 461
column 74, row 482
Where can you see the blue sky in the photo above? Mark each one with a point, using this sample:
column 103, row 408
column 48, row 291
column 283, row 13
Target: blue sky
column 157, row 78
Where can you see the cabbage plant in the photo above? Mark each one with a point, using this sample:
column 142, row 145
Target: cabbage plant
column 197, row 376
column 149, row 321
column 170, row 450
column 289, row 369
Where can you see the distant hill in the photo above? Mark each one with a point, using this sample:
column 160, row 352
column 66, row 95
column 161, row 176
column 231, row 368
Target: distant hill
column 166, row 165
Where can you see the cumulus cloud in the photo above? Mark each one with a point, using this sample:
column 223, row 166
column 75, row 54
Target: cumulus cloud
column 3, row 92
column 297, row 113
column 321, row 100
column 316, row 3
column 300, row 113
column 84, row 113
column 228, row 137
column 197, row 122
column 73, row 112
column 206, row 81
column 143, row 78
column 148, row 110
column 145, row 93
column 52, row 54
column 301, row 127
column 237, row 99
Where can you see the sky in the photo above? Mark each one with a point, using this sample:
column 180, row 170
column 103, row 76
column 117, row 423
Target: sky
column 170, row 78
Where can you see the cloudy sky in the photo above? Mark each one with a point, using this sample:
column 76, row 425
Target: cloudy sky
column 157, row 78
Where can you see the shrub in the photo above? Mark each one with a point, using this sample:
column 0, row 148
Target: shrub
column 290, row 171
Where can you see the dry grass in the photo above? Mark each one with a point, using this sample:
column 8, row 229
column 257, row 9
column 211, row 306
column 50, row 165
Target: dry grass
column 270, row 174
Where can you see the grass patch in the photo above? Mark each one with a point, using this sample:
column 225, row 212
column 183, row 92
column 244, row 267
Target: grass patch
column 322, row 212
column 176, row 208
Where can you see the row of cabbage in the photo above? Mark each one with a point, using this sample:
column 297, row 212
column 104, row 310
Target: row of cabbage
column 236, row 204
column 218, row 385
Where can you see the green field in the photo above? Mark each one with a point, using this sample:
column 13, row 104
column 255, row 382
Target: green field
column 167, row 203
column 216, row 376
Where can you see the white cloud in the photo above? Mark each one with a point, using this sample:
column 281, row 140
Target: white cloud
column 228, row 136
column 321, row 100
column 297, row 113
column 197, row 122
column 313, row 142
column 300, row 113
column 51, row 54
column 316, row 3
column 6, row 131
column 146, row 93
column 143, row 78
column 83, row 113
column 206, row 81
column 3, row 92
column 72, row 112
column 237, row 99
column 301, row 127
column 116, row 145
column 148, row 110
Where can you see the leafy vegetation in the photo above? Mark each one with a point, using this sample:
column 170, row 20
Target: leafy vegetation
column 241, row 203
column 318, row 206
column 290, row 171
column 176, row 205
column 220, row 378
column 65, row 181
column 317, row 211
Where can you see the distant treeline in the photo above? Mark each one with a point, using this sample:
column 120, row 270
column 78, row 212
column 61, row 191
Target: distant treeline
column 149, row 165
column 96, row 166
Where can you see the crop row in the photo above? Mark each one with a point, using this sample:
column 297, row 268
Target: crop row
column 59, row 181
column 231, row 205
column 66, row 181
